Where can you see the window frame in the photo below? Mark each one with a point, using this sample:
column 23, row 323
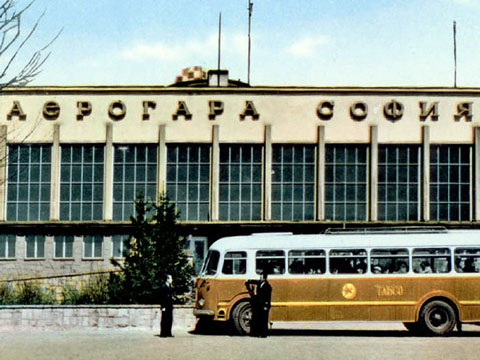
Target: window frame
column 38, row 242
column 93, row 243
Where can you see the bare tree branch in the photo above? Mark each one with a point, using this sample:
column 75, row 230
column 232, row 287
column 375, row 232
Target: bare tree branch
column 13, row 43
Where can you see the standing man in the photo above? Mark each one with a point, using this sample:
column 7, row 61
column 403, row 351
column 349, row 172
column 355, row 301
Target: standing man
column 167, row 308
column 260, row 298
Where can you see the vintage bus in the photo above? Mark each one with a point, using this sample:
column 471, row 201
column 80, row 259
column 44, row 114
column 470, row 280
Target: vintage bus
column 429, row 279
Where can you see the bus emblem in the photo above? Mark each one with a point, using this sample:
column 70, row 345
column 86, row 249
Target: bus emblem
column 349, row 291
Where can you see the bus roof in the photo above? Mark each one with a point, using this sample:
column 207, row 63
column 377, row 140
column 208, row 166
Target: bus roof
column 339, row 240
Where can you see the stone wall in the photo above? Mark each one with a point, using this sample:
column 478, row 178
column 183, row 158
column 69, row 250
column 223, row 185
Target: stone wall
column 146, row 317
column 20, row 266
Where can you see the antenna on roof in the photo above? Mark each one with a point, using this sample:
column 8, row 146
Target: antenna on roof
column 455, row 53
column 219, row 44
column 250, row 9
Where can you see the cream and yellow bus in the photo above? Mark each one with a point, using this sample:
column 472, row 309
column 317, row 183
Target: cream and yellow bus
column 429, row 279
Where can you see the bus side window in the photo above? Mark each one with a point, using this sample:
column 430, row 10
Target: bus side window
column 467, row 260
column 348, row 261
column 431, row 260
column 306, row 262
column 274, row 260
column 389, row 261
column 235, row 263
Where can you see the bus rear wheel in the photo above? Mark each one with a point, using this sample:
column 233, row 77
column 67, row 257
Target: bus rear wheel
column 241, row 316
column 438, row 318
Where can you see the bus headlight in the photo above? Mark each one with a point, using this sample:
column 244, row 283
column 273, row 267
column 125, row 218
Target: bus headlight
column 201, row 302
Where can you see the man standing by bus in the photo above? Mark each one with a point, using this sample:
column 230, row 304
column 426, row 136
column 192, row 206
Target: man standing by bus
column 260, row 298
column 167, row 308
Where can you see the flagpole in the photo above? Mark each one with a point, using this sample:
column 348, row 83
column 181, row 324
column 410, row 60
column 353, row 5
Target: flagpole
column 250, row 8
column 455, row 53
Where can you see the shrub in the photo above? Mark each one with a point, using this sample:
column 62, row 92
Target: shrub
column 6, row 294
column 31, row 293
column 154, row 250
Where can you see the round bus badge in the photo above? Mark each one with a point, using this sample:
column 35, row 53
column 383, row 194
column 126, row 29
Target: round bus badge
column 349, row 291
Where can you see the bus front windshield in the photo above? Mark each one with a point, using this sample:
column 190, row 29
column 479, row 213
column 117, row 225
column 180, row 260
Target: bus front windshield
column 211, row 263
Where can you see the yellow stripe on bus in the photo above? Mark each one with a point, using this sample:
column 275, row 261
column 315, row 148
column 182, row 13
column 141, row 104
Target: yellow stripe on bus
column 336, row 303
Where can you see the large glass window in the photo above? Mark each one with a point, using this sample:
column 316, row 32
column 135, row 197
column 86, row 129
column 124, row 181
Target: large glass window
column 35, row 246
column 63, row 247
column 119, row 245
column 81, row 182
column 240, row 182
column 7, row 246
column 293, row 182
column 92, row 246
column 398, row 182
column 135, row 174
column 28, row 182
column 188, row 180
column 450, row 184
column 346, row 182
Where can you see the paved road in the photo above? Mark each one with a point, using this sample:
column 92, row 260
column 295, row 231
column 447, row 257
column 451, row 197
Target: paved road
column 288, row 341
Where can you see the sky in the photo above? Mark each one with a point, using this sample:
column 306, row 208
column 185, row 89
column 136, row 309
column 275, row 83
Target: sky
column 294, row 42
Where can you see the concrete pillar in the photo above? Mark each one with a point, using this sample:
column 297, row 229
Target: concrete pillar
column 162, row 161
column 55, row 174
column 426, row 172
column 215, row 166
column 108, row 175
column 267, row 190
column 476, row 191
column 374, row 173
column 3, row 170
column 49, row 247
column 321, row 173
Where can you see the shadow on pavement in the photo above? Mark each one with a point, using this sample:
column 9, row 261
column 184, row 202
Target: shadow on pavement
column 225, row 330
column 361, row 333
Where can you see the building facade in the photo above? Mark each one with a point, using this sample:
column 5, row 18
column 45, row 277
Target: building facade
column 235, row 159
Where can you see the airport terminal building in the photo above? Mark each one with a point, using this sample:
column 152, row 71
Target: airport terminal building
column 235, row 159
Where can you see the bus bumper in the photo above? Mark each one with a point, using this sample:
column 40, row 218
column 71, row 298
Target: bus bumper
column 202, row 312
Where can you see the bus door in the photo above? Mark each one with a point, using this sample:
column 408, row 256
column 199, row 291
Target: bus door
column 307, row 285
column 274, row 261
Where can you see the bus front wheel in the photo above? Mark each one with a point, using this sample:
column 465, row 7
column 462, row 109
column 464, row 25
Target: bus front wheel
column 242, row 315
column 438, row 318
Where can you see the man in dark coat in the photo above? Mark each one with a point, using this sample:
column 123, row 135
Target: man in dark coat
column 167, row 308
column 260, row 299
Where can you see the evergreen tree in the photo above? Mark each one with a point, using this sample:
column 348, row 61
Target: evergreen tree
column 154, row 249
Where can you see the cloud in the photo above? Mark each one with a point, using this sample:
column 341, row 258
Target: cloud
column 161, row 51
column 307, row 46
column 180, row 50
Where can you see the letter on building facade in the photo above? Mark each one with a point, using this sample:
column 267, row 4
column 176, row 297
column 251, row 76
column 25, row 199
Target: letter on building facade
column 16, row 111
column 431, row 111
column 464, row 110
column 147, row 105
column 393, row 110
column 249, row 110
column 358, row 111
column 216, row 108
column 117, row 110
column 182, row 110
column 325, row 110
column 51, row 110
column 84, row 109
